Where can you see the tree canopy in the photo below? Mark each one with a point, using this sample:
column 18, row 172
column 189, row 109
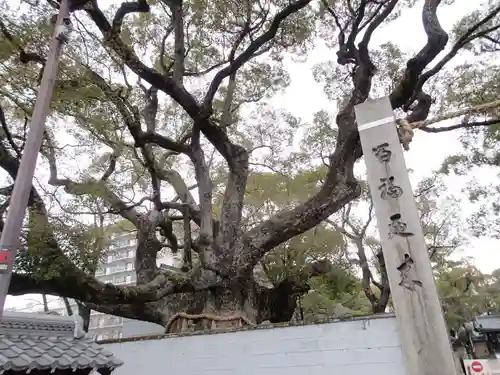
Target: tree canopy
column 162, row 117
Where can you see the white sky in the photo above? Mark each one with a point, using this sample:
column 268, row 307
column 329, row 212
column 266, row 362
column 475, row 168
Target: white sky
column 304, row 97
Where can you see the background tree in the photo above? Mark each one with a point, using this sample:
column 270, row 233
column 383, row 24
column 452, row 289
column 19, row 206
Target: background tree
column 477, row 83
column 440, row 221
column 331, row 292
column 149, row 91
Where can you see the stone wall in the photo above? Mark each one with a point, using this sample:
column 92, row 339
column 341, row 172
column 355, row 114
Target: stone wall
column 368, row 345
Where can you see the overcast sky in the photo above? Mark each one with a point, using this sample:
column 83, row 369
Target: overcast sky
column 427, row 151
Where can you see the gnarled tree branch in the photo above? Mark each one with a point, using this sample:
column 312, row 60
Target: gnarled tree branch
column 436, row 42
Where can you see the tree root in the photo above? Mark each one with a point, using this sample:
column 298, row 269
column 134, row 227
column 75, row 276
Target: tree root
column 186, row 318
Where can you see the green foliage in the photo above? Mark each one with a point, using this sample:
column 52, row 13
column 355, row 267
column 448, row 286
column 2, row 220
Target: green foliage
column 333, row 292
column 336, row 79
column 475, row 82
column 268, row 193
column 466, row 292
column 276, row 191
column 292, row 257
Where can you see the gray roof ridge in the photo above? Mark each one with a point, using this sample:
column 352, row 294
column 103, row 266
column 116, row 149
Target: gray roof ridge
column 22, row 322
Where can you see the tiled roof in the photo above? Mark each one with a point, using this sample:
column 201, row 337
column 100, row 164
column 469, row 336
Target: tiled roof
column 39, row 341
column 488, row 323
column 17, row 322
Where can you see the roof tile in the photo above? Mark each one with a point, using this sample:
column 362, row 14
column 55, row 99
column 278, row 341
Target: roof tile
column 24, row 345
column 9, row 353
column 40, row 341
column 21, row 361
column 44, row 361
column 60, row 353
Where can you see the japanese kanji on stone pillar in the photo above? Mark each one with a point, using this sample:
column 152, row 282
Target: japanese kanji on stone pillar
column 422, row 327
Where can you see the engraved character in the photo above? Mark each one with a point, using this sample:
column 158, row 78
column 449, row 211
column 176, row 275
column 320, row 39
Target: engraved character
column 388, row 189
column 382, row 152
column 405, row 272
column 398, row 227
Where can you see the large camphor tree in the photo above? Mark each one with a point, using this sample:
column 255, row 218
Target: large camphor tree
column 160, row 116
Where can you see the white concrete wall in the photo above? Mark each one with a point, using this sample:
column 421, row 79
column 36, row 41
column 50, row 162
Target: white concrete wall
column 369, row 346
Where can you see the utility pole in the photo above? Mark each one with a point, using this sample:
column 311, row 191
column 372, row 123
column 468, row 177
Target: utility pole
column 422, row 328
column 9, row 240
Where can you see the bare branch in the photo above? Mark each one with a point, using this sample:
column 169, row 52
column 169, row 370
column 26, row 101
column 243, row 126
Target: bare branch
column 466, row 125
column 367, row 273
column 147, row 312
column 76, row 284
column 226, row 118
column 168, row 85
column 342, row 229
column 179, row 49
column 187, row 259
column 236, row 156
column 88, row 187
column 162, row 49
column 381, row 17
column 437, row 39
column 362, row 232
column 385, row 290
column 469, row 36
column 127, row 8
column 204, row 188
column 254, row 46
column 8, row 135
column 341, row 29
column 112, row 166
column 71, row 281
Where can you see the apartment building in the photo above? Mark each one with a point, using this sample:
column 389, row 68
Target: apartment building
column 117, row 268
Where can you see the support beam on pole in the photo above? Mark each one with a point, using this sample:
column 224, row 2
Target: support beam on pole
column 423, row 331
column 9, row 241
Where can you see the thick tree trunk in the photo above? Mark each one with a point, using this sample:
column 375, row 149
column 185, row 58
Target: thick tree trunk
column 69, row 310
column 246, row 304
column 216, row 309
column 84, row 313
column 45, row 303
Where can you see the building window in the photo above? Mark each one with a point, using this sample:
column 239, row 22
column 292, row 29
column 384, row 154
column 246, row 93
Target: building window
column 131, row 253
column 110, row 258
column 112, row 320
column 121, row 242
column 100, row 322
column 119, row 267
column 128, row 279
column 93, row 322
column 130, row 266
